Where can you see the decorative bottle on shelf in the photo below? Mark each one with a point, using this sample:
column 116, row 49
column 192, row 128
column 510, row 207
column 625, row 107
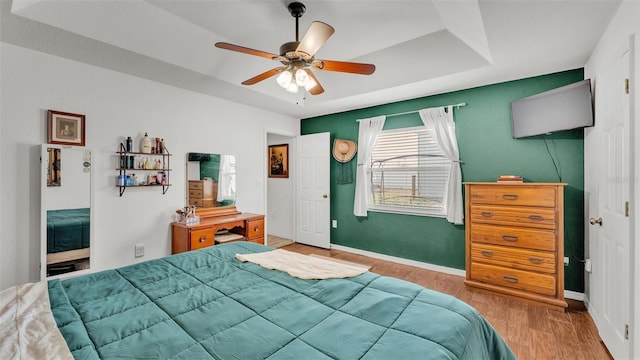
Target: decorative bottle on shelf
column 161, row 146
column 129, row 144
column 145, row 144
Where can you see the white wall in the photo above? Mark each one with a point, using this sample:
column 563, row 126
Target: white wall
column 116, row 106
column 624, row 24
column 280, row 194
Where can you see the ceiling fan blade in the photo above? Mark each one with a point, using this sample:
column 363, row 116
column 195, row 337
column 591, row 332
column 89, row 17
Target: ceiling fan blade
column 318, row 89
column 317, row 34
column 265, row 75
column 245, row 50
column 344, row 66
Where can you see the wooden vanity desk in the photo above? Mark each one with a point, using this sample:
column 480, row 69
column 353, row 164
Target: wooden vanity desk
column 197, row 236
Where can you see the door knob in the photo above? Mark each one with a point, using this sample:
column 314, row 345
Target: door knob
column 593, row 221
column 325, row 196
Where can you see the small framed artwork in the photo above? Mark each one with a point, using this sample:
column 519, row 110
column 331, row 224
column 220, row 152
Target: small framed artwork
column 65, row 128
column 279, row 161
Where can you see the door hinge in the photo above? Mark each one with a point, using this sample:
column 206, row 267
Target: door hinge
column 626, row 209
column 626, row 85
column 626, row 331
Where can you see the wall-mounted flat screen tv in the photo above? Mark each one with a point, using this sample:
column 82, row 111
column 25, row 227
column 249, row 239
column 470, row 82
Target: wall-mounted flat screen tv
column 565, row 108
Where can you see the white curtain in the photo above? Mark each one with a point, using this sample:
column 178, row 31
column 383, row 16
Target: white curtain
column 367, row 137
column 441, row 122
column 226, row 191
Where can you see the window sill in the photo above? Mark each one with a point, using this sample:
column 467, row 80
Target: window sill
column 416, row 212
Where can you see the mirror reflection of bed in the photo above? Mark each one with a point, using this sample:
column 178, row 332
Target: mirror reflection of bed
column 66, row 210
column 211, row 180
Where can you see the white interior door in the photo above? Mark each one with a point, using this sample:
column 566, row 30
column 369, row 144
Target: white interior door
column 312, row 195
column 607, row 185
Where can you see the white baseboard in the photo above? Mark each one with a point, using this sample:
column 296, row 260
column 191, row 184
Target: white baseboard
column 399, row 260
column 573, row 295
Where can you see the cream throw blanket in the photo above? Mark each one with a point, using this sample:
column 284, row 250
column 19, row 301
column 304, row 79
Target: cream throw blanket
column 302, row 266
column 27, row 327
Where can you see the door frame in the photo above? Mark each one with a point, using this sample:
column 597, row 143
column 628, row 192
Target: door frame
column 292, row 175
column 634, row 198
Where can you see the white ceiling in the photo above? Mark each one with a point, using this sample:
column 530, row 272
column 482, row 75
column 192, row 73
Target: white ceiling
column 419, row 47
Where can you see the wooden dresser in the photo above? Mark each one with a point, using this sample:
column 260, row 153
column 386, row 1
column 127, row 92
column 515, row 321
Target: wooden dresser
column 196, row 236
column 515, row 240
column 203, row 193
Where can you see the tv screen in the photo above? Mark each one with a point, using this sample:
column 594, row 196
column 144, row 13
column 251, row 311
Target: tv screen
column 565, row 108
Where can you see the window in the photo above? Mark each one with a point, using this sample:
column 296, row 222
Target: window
column 409, row 173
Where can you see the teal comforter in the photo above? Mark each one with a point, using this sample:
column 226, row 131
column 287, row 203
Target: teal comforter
column 205, row 304
column 67, row 229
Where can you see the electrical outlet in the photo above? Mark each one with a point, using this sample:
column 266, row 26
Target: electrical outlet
column 566, row 261
column 139, row 250
column 334, row 224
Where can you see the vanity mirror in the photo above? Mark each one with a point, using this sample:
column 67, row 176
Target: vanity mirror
column 211, row 180
column 65, row 210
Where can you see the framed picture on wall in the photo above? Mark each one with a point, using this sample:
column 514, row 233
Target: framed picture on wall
column 279, row 161
column 65, row 128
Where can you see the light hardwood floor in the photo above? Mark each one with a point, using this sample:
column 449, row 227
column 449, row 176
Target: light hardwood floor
column 531, row 331
column 277, row 242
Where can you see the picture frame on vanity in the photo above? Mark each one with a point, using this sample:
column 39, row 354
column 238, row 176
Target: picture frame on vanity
column 279, row 161
column 65, row 128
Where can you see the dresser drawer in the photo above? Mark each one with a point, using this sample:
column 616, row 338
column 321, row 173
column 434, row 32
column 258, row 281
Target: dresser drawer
column 511, row 236
column 514, row 216
column 201, row 238
column 514, row 258
column 515, row 279
column 195, row 193
column 521, row 195
column 195, row 202
column 255, row 229
column 195, row 185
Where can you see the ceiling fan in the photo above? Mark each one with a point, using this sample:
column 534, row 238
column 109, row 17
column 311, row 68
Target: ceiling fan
column 297, row 57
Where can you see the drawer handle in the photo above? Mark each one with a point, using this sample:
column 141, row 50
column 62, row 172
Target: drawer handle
column 256, row 228
column 487, row 213
column 487, row 253
column 510, row 279
column 512, row 238
column 203, row 238
column 536, row 260
column 536, row 217
column 510, row 197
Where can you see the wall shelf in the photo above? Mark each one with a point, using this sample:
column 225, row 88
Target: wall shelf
column 131, row 162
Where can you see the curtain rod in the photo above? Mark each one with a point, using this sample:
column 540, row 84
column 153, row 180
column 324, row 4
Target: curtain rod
column 415, row 111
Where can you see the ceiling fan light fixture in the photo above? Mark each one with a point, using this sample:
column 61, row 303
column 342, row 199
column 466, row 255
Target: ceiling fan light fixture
column 293, row 87
column 284, row 79
column 310, row 83
column 301, row 77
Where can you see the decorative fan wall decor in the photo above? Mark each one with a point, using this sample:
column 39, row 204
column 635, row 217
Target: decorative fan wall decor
column 297, row 58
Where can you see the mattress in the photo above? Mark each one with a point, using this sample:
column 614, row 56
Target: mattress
column 67, row 229
column 206, row 304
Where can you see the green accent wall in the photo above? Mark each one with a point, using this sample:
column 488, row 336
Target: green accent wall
column 210, row 168
column 487, row 149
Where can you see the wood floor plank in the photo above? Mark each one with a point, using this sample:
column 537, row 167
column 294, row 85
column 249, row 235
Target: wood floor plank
column 541, row 345
column 531, row 331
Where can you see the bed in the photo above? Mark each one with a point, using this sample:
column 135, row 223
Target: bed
column 206, row 304
column 67, row 235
